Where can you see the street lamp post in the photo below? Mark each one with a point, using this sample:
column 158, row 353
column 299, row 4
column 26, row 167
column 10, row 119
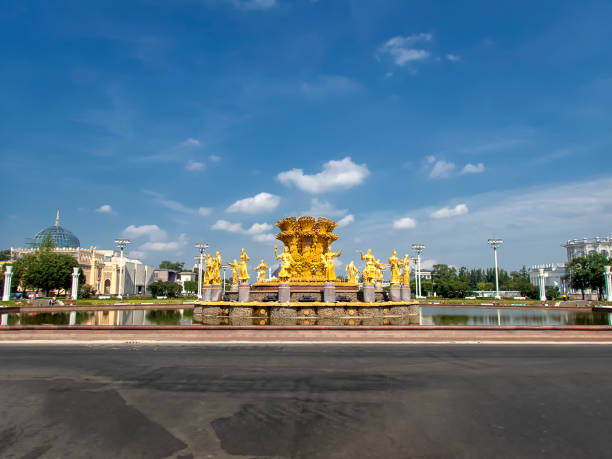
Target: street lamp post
column 122, row 243
column 202, row 246
column 495, row 243
column 418, row 248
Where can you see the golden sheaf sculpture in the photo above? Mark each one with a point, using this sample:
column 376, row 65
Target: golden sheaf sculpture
column 307, row 239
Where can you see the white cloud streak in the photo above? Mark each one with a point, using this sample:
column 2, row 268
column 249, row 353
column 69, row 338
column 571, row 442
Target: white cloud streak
column 441, row 169
column 152, row 232
column 320, row 208
column 404, row 223
column 473, row 168
column 105, row 209
column 446, row 212
column 260, row 203
column 345, row 221
column 194, row 166
column 260, row 232
column 336, row 174
column 402, row 48
column 163, row 246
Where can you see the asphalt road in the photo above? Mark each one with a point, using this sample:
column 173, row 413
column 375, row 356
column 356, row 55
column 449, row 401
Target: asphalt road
column 305, row 401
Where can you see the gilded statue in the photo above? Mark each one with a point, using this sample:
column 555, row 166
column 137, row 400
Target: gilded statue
column 286, row 261
column 369, row 272
column 406, row 265
column 352, row 271
column 208, row 262
column 306, row 239
column 379, row 271
column 243, row 269
column 215, row 274
column 330, row 266
column 261, row 268
column 395, row 267
column 234, row 267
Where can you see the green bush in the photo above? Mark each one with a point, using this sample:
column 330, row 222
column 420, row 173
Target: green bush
column 169, row 289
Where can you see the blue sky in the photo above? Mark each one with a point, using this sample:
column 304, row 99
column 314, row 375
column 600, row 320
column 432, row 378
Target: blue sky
column 437, row 122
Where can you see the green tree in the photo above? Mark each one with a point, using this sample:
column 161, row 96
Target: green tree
column 444, row 273
column 47, row 244
column 176, row 266
column 485, row 286
column 86, row 291
column 190, row 286
column 587, row 272
column 5, row 255
column 46, row 271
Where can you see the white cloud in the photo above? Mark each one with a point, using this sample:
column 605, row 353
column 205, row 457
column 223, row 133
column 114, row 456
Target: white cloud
column 224, row 225
column 473, row 169
column 215, row 158
column 258, row 228
column 105, row 209
column 267, row 237
column 344, row 221
column 253, row 4
column 191, row 142
column 446, row 212
column 402, row 49
column 194, row 166
column 204, row 211
column 320, row 208
column 326, row 85
column 170, row 204
column 137, row 254
column 404, row 223
column 259, row 231
column 262, row 202
column 336, row 174
column 441, row 169
column 153, row 232
column 161, row 246
column 453, row 57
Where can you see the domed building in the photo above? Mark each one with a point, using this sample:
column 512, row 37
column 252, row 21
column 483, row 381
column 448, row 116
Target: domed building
column 61, row 237
column 100, row 267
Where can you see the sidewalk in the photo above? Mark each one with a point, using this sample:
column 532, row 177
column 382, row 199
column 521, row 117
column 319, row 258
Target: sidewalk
column 203, row 334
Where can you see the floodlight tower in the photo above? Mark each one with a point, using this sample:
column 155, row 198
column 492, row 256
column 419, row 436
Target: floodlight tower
column 122, row 243
column 495, row 243
column 201, row 246
column 417, row 278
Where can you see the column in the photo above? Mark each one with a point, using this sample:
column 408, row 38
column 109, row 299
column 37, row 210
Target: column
column 542, row 284
column 75, row 284
column 608, row 282
column 8, row 275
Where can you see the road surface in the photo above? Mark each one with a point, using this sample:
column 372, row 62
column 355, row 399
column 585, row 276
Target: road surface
column 305, row 401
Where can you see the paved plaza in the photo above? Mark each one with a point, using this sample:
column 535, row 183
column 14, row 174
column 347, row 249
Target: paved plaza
column 304, row 401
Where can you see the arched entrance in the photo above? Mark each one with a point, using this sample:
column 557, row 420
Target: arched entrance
column 107, row 287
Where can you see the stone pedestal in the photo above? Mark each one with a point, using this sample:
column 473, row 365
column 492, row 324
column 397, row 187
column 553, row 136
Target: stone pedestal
column 329, row 293
column 284, row 293
column 405, row 293
column 369, row 294
column 244, row 291
column 215, row 292
column 395, row 293
column 206, row 292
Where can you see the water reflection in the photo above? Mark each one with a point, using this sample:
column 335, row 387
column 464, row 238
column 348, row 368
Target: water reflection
column 429, row 316
column 492, row 317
